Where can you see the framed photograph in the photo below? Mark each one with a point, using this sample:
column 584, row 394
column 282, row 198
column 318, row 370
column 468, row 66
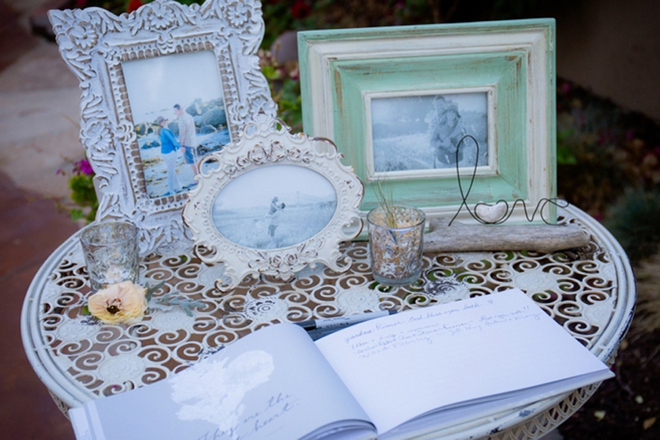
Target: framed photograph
column 190, row 112
column 424, row 144
column 398, row 101
column 273, row 203
column 162, row 87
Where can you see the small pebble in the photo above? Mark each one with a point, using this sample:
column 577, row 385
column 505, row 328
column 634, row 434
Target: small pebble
column 649, row 422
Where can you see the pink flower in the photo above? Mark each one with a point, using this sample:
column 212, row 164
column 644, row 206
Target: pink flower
column 83, row 167
column 122, row 302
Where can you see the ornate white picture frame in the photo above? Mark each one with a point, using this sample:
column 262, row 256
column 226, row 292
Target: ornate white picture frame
column 133, row 70
column 273, row 203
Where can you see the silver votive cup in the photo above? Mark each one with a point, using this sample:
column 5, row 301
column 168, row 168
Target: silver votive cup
column 396, row 244
column 111, row 253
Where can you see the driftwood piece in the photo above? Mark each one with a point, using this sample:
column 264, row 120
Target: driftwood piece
column 460, row 237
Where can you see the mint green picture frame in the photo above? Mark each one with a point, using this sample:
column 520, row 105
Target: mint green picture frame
column 513, row 62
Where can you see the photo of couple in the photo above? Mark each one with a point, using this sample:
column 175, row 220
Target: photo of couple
column 274, row 207
column 177, row 120
column 170, row 147
column 423, row 132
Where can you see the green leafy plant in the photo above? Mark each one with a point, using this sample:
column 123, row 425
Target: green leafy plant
column 602, row 150
column 84, row 202
column 283, row 80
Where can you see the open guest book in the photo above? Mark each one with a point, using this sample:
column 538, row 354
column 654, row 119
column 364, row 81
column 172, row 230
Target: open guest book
column 393, row 377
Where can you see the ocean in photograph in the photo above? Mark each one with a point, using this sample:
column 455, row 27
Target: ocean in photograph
column 413, row 151
column 255, row 228
column 155, row 170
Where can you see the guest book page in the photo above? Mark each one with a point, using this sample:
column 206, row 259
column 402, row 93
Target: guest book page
column 472, row 353
column 271, row 384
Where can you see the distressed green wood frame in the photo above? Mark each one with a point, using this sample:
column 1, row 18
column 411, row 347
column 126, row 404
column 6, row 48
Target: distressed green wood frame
column 513, row 61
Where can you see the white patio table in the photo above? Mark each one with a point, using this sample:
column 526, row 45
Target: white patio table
column 590, row 292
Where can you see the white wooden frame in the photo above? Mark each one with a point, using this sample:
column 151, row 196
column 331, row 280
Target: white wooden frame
column 267, row 144
column 95, row 43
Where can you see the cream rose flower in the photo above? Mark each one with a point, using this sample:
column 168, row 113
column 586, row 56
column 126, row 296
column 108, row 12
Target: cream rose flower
column 122, row 302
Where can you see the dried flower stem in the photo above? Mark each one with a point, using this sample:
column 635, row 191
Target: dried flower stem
column 386, row 202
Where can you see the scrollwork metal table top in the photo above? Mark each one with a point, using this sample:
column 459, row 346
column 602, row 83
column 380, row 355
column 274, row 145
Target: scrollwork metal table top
column 591, row 293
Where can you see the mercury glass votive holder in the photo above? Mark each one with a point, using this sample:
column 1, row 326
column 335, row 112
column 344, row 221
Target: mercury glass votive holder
column 396, row 243
column 111, row 253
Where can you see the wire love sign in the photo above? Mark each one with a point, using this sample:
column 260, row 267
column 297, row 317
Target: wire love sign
column 500, row 211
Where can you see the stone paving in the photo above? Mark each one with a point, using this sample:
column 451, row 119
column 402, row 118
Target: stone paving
column 38, row 98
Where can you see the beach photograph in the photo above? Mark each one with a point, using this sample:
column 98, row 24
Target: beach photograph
column 274, row 206
column 179, row 117
column 422, row 132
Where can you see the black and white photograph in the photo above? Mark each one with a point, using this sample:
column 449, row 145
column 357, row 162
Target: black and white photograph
column 179, row 117
column 423, row 132
column 274, row 206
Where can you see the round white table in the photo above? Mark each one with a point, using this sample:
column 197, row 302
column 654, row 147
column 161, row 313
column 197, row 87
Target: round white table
column 590, row 292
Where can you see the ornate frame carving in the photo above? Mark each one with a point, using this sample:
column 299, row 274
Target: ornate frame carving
column 95, row 43
column 265, row 145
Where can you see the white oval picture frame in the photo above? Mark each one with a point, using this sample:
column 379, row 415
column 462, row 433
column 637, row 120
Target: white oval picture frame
column 274, row 203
